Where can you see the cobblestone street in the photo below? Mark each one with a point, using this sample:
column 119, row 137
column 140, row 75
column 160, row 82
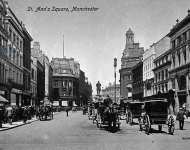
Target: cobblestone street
column 78, row 133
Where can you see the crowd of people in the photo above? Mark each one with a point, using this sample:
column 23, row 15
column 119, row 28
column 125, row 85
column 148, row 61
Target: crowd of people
column 9, row 114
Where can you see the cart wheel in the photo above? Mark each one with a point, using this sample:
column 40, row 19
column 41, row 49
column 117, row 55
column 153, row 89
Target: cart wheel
column 147, row 124
column 160, row 128
column 171, row 125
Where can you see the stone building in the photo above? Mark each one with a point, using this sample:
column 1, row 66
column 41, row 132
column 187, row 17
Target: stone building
column 137, row 81
column 162, row 63
column 180, row 62
column 85, row 90
column 65, row 80
column 110, row 90
column 131, row 56
column 40, row 59
column 33, row 83
column 148, row 75
column 5, row 59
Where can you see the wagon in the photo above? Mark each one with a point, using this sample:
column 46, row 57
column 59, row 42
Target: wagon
column 155, row 112
column 108, row 115
column 45, row 112
column 134, row 110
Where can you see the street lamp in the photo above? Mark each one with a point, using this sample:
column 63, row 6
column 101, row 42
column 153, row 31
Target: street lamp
column 115, row 65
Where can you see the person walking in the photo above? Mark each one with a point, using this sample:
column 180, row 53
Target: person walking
column 181, row 118
column 67, row 111
column 9, row 112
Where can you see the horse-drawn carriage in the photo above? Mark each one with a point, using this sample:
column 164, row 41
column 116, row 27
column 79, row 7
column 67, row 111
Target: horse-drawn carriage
column 155, row 112
column 107, row 114
column 45, row 112
column 134, row 110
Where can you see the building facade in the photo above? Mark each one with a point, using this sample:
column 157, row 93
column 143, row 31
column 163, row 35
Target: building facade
column 131, row 56
column 110, row 90
column 5, row 61
column 162, row 63
column 33, row 80
column 85, row 90
column 38, row 55
column 66, row 72
column 26, row 67
column 148, row 75
column 15, row 56
column 180, row 62
column 137, row 84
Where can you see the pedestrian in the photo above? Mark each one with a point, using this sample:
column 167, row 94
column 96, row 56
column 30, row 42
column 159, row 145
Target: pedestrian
column 1, row 116
column 181, row 117
column 9, row 112
column 67, row 111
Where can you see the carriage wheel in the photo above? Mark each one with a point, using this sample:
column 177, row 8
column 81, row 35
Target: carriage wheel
column 160, row 128
column 171, row 125
column 147, row 124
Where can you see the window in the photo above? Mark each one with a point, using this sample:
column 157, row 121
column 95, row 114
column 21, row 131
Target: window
column 173, row 44
column 162, row 75
column 166, row 74
column 166, row 87
column 184, row 37
column 173, row 57
column 179, row 59
column 184, row 54
column 159, row 76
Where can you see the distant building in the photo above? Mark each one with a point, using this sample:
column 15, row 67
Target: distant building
column 33, row 80
column 39, row 56
column 85, row 90
column 132, row 54
column 162, row 65
column 148, row 74
column 180, row 62
column 137, row 81
column 110, row 90
column 65, row 79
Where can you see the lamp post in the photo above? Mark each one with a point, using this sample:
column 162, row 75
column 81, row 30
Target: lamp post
column 115, row 65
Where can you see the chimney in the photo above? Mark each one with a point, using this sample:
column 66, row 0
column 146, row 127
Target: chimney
column 188, row 12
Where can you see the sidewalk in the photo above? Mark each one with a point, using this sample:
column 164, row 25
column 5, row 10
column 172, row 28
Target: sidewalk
column 8, row 126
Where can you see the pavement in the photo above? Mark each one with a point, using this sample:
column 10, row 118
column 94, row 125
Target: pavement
column 7, row 126
column 77, row 132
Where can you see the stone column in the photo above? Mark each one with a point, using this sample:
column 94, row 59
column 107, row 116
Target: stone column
column 176, row 97
column 188, row 93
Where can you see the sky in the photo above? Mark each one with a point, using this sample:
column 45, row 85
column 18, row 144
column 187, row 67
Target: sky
column 95, row 38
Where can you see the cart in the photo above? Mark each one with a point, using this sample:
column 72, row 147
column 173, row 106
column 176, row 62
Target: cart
column 108, row 115
column 155, row 112
column 46, row 112
column 134, row 110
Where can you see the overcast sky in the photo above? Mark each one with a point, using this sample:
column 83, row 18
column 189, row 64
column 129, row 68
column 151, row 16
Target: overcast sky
column 95, row 38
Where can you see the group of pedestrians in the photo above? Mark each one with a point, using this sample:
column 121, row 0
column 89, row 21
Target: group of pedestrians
column 9, row 114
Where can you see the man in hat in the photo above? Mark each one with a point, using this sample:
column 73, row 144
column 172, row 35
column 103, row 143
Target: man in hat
column 181, row 118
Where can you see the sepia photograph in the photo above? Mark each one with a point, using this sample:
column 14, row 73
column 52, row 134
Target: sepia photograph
column 94, row 74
